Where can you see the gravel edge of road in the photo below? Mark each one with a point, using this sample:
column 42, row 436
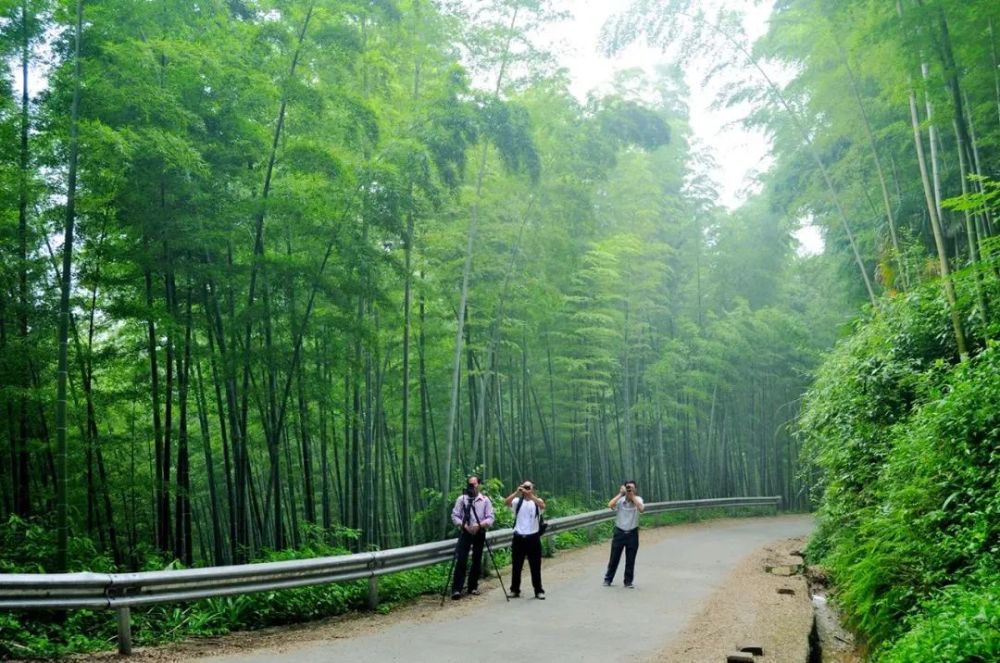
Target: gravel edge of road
column 753, row 606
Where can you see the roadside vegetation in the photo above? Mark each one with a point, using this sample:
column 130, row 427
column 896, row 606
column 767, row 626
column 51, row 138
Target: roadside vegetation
column 277, row 275
column 907, row 440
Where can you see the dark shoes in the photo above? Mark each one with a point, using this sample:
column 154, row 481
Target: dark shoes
column 629, row 585
column 516, row 594
column 456, row 595
column 607, row 583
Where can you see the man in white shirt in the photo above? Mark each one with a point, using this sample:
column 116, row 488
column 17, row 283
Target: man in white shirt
column 527, row 541
column 628, row 506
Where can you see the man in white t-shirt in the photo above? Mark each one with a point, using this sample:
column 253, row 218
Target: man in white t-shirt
column 628, row 506
column 527, row 508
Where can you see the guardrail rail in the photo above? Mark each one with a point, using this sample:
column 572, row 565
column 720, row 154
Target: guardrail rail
column 123, row 591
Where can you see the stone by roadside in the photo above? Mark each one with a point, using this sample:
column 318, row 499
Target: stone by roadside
column 835, row 642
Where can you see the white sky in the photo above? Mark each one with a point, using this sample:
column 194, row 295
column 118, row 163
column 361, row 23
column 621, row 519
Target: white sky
column 739, row 153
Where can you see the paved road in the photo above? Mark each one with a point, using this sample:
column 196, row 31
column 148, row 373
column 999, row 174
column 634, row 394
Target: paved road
column 677, row 568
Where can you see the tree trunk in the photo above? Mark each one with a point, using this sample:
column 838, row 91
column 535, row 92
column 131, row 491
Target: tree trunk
column 292, row 501
column 368, row 439
column 7, row 500
column 305, row 433
column 932, row 209
column 215, row 507
column 985, row 212
column 272, row 429
column 168, row 420
column 932, row 141
column 946, row 283
column 182, row 524
column 466, row 271
column 970, row 235
column 406, row 478
column 62, row 513
column 235, row 491
column 258, row 255
column 479, row 429
column 324, row 452
column 308, row 497
column 427, row 432
column 22, row 493
column 870, row 134
column 85, row 360
column 352, row 458
column 627, row 462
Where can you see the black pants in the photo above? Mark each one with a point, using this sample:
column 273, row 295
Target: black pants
column 531, row 547
column 629, row 542
column 465, row 541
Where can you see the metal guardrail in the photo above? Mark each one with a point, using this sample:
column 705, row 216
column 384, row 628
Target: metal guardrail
column 122, row 591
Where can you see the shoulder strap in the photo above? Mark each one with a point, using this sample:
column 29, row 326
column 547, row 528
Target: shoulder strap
column 538, row 512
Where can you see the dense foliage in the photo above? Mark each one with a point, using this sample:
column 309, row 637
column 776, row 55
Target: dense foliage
column 275, row 275
column 909, row 448
column 884, row 117
column 317, row 275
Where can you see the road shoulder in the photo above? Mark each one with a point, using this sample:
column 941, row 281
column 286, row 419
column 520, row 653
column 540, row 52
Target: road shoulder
column 754, row 606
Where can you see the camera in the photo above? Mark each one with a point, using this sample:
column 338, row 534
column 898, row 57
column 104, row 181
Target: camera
column 470, row 490
column 628, row 488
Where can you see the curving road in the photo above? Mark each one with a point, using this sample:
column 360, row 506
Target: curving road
column 677, row 568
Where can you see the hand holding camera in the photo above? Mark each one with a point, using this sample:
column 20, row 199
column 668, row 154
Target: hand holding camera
column 525, row 492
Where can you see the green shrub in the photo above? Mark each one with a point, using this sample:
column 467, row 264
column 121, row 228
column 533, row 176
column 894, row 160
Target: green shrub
column 908, row 445
column 960, row 625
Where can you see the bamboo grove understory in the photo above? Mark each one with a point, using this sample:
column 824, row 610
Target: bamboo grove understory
column 273, row 272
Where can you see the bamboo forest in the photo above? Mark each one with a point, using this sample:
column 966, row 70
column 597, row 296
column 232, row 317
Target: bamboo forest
column 276, row 276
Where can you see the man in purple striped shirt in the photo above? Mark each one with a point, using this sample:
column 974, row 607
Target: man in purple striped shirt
column 473, row 516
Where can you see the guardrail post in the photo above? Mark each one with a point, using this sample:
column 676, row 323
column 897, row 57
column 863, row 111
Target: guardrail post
column 124, row 619
column 372, row 592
